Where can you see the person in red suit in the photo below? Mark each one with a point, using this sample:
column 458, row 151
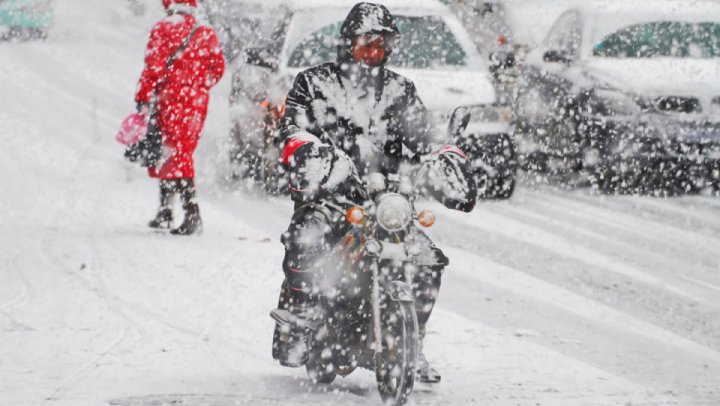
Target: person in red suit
column 174, row 90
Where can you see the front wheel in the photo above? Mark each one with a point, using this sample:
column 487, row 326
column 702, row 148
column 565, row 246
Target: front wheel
column 395, row 367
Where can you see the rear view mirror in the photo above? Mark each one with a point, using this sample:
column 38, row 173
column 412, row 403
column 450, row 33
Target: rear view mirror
column 458, row 122
column 260, row 57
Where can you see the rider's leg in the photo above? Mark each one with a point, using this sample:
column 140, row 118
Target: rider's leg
column 426, row 287
column 307, row 239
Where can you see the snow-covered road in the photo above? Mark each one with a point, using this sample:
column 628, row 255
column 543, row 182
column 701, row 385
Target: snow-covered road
column 552, row 298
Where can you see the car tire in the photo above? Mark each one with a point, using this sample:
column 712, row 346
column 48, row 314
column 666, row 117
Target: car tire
column 535, row 162
column 495, row 163
column 498, row 187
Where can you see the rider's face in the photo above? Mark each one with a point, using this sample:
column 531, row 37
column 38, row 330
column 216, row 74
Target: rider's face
column 369, row 49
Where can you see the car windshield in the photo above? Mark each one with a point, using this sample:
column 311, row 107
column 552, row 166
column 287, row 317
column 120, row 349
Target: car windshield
column 425, row 43
column 662, row 39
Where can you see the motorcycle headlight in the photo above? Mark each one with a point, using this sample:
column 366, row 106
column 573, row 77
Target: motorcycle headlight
column 393, row 212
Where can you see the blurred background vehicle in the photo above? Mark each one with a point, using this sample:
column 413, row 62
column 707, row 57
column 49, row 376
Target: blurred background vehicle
column 434, row 51
column 25, row 19
column 137, row 7
column 625, row 97
column 486, row 21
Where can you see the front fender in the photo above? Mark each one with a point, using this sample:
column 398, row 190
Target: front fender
column 399, row 291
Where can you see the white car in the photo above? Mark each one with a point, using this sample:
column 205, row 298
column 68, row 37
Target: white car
column 434, row 51
column 627, row 94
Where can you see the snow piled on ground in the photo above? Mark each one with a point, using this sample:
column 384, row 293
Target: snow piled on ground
column 552, row 298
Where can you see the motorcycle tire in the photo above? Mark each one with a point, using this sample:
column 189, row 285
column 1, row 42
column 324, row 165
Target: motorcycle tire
column 319, row 370
column 395, row 367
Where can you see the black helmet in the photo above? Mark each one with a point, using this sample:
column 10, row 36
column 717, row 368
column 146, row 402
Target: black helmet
column 366, row 18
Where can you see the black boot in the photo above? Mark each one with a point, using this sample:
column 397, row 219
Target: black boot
column 290, row 338
column 192, row 223
column 426, row 286
column 425, row 372
column 164, row 217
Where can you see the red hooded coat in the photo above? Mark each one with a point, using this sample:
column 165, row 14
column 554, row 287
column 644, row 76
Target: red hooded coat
column 182, row 96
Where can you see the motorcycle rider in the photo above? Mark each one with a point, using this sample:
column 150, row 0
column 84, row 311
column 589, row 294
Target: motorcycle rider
column 343, row 120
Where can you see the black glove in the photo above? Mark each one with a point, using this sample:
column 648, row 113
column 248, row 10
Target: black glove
column 317, row 170
column 448, row 178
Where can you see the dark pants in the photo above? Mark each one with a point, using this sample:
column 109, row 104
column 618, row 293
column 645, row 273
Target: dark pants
column 313, row 232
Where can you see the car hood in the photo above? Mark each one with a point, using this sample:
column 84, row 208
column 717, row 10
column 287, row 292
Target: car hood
column 443, row 90
column 659, row 76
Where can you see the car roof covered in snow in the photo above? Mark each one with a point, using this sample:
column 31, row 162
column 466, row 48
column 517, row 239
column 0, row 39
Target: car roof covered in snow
column 308, row 4
column 605, row 17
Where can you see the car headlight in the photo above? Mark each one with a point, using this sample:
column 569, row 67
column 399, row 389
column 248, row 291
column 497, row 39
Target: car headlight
column 715, row 106
column 532, row 105
column 491, row 114
column 639, row 146
column 610, row 103
column 393, row 212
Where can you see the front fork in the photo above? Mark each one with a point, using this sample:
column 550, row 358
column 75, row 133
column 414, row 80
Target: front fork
column 396, row 290
column 375, row 302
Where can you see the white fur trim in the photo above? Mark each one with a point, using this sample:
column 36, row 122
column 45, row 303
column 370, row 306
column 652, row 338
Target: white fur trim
column 181, row 8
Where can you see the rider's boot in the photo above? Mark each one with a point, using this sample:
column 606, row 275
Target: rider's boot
column 290, row 344
column 297, row 346
column 425, row 372
column 426, row 286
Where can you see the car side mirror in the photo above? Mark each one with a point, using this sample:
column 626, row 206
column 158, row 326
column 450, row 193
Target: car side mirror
column 458, row 122
column 502, row 60
column 555, row 56
column 260, row 57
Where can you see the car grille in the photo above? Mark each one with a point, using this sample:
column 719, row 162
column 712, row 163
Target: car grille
column 678, row 104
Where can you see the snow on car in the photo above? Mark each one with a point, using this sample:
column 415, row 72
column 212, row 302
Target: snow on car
column 627, row 95
column 434, row 51
column 24, row 19
column 555, row 297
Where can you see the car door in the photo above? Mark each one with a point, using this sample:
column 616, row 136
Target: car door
column 544, row 102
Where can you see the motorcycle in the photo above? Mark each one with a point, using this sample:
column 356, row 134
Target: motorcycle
column 366, row 316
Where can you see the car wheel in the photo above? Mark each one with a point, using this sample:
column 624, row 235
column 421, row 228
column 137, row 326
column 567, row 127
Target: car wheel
column 605, row 180
column 495, row 187
column 535, row 162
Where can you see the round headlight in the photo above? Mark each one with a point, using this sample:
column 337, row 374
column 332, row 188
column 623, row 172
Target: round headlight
column 393, row 212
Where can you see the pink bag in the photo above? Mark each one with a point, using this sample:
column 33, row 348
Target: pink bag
column 133, row 128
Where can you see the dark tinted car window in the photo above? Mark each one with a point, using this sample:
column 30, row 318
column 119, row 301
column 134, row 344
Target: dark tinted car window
column 425, row 42
column 662, row 39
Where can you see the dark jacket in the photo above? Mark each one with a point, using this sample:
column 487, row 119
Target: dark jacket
column 374, row 115
column 370, row 113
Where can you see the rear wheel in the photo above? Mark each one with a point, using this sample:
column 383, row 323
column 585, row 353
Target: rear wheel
column 395, row 366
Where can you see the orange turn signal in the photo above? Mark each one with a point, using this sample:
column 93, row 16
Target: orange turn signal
column 355, row 215
column 426, row 218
